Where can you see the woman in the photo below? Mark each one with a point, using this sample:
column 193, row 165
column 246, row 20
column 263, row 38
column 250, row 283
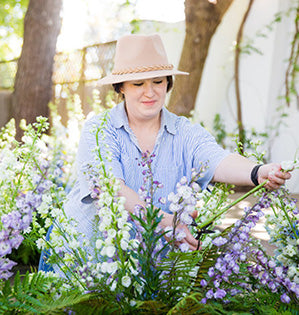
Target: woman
column 143, row 76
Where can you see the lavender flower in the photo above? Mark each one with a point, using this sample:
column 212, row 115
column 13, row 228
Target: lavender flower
column 235, row 249
column 219, row 241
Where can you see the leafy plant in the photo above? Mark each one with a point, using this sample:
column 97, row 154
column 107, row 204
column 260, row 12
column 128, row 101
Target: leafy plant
column 130, row 265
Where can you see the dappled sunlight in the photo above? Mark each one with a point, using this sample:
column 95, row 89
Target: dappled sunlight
column 259, row 231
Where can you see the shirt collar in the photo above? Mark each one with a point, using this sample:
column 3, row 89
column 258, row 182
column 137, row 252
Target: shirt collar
column 119, row 118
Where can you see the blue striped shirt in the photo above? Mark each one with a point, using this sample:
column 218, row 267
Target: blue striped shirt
column 180, row 146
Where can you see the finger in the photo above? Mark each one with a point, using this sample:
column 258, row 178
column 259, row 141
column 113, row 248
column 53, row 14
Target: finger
column 276, row 180
column 279, row 178
column 190, row 239
column 193, row 248
column 272, row 186
column 284, row 175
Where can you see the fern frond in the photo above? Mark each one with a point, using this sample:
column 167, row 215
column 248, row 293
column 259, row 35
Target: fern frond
column 190, row 305
column 151, row 308
column 57, row 305
column 96, row 306
column 25, row 294
column 180, row 272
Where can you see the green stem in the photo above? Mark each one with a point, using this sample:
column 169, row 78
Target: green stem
column 18, row 184
column 225, row 209
column 288, row 219
column 273, row 209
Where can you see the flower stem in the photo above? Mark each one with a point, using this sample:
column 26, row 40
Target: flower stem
column 288, row 219
column 225, row 209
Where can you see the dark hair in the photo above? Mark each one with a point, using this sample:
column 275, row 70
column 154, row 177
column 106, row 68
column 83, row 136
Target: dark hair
column 117, row 86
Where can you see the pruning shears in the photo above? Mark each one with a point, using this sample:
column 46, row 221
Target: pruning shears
column 201, row 231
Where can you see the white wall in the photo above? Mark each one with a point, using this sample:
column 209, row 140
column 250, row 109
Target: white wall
column 261, row 76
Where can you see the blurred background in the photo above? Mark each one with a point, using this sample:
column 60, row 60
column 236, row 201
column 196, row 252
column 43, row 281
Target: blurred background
column 242, row 56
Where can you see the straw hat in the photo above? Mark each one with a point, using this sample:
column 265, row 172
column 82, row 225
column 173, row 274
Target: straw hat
column 139, row 57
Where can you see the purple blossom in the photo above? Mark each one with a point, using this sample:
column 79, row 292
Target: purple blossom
column 211, row 272
column 285, row 298
column 26, row 221
column 210, row 294
column 16, row 241
column 5, row 248
column 162, row 200
column 184, row 247
column 234, row 292
column 12, row 220
column 219, row 294
column 219, row 241
column 203, row 282
column 5, row 267
column 279, row 271
column 236, row 250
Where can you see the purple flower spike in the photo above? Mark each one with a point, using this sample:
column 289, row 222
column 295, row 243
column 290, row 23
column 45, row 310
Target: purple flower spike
column 285, row 298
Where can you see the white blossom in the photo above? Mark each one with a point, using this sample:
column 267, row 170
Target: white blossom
column 124, row 244
column 288, row 165
column 126, row 281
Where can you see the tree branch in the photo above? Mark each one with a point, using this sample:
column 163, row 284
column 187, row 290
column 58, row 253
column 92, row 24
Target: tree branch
column 237, row 76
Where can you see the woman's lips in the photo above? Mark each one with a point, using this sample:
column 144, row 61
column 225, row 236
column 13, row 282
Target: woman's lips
column 149, row 103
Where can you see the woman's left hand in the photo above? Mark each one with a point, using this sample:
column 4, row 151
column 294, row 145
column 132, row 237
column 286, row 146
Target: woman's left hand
column 274, row 174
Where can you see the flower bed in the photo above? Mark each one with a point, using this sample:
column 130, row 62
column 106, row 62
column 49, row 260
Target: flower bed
column 130, row 265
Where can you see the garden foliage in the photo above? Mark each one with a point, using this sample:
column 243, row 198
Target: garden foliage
column 131, row 265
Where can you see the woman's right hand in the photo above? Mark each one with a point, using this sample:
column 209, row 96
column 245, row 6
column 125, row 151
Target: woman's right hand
column 167, row 221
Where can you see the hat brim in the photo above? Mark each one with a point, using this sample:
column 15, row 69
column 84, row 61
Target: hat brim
column 118, row 78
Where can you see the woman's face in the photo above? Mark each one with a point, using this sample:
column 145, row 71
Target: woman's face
column 144, row 98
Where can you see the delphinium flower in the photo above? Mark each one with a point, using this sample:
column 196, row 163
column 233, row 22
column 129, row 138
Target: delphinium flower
column 228, row 276
column 31, row 186
column 152, row 246
column 183, row 203
column 283, row 229
column 163, row 272
column 10, row 238
column 17, row 164
column 102, row 263
column 113, row 240
column 273, row 275
column 148, row 189
column 150, row 212
column 114, row 243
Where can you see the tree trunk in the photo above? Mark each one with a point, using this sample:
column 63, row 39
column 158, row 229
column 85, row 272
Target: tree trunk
column 33, row 82
column 202, row 20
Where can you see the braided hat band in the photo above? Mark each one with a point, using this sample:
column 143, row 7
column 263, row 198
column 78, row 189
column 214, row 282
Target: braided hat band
column 143, row 69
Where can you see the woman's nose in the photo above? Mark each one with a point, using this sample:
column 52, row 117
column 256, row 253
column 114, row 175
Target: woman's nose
column 149, row 90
